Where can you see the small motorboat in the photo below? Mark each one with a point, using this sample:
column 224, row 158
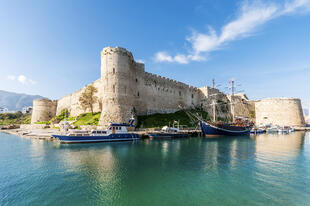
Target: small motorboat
column 167, row 132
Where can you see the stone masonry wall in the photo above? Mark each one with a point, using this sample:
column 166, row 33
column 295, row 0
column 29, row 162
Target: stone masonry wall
column 128, row 89
column 71, row 101
column 279, row 111
column 43, row 110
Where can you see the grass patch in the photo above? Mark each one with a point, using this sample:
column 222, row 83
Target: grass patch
column 60, row 117
column 43, row 122
column 160, row 120
column 87, row 119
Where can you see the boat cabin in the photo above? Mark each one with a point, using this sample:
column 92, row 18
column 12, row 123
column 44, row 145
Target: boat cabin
column 116, row 128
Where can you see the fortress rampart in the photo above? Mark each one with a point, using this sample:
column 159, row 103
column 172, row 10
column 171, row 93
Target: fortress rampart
column 71, row 101
column 279, row 111
column 124, row 88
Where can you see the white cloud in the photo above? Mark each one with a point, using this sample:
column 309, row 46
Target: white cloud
column 22, row 79
column 11, row 77
column 140, row 61
column 249, row 18
column 179, row 58
column 163, row 57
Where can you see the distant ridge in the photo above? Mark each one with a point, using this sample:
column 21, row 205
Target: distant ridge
column 16, row 101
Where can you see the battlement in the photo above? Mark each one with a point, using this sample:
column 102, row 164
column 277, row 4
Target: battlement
column 118, row 50
column 274, row 99
column 164, row 80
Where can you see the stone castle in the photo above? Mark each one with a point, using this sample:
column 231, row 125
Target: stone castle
column 125, row 88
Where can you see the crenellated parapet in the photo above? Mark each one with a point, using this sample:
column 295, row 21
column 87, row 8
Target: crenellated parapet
column 117, row 50
column 160, row 80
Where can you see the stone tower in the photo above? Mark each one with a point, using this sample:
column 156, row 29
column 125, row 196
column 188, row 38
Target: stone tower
column 279, row 111
column 119, row 86
column 43, row 110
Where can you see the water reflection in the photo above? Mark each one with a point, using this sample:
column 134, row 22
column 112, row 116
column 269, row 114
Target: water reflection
column 274, row 146
column 146, row 172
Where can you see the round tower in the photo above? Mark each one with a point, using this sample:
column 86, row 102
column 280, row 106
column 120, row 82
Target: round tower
column 118, row 80
column 43, row 110
column 279, row 111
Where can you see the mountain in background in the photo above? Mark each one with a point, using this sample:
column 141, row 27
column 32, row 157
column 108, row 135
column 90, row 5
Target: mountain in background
column 15, row 101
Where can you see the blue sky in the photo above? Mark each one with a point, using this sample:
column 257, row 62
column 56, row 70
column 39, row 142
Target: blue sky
column 52, row 48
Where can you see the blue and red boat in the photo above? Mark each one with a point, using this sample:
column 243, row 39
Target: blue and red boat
column 226, row 129
column 114, row 132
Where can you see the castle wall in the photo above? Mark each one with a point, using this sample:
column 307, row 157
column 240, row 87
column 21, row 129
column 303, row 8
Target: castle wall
column 163, row 95
column 125, row 89
column 242, row 106
column 207, row 95
column 72, row 104
column 279, row 111
column 128, row 89
column 43, row 110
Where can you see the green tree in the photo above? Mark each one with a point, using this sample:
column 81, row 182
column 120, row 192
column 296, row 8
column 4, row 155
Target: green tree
column 88, row 98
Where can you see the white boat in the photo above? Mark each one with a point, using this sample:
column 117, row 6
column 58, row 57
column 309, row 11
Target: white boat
column 273, row 129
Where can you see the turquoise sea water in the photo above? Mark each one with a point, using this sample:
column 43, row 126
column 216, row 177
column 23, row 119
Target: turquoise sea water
column 261, row 170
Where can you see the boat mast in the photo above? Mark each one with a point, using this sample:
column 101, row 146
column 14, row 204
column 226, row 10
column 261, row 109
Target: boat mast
column 232, row 99
column 213, row 107
column 65, row 127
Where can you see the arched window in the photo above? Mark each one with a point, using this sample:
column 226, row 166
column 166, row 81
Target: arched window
column 113, row 88
column 138, row 94
column 113, row 70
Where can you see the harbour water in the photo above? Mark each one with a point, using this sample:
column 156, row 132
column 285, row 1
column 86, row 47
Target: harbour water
column 259, row 170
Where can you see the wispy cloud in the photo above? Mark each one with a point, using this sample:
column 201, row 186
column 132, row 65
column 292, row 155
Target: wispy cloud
column 249, row 17
column 179, row 58
column 11, row 77
column 140, row 61
column 21, row 79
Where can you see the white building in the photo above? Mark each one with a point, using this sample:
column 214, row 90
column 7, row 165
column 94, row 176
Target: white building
column 27, row 110
column 4, row 110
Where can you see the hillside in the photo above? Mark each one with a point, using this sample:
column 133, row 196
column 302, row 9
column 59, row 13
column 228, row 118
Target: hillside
column 16, row 101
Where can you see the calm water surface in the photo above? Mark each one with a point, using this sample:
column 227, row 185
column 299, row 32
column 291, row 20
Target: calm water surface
column 261, row 170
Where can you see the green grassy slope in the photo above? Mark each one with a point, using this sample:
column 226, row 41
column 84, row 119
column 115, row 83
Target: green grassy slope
column 160, row 120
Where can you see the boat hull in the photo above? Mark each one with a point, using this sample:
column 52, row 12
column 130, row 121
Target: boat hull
column 211, row 130
column 94, row 139
column 167, row 135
